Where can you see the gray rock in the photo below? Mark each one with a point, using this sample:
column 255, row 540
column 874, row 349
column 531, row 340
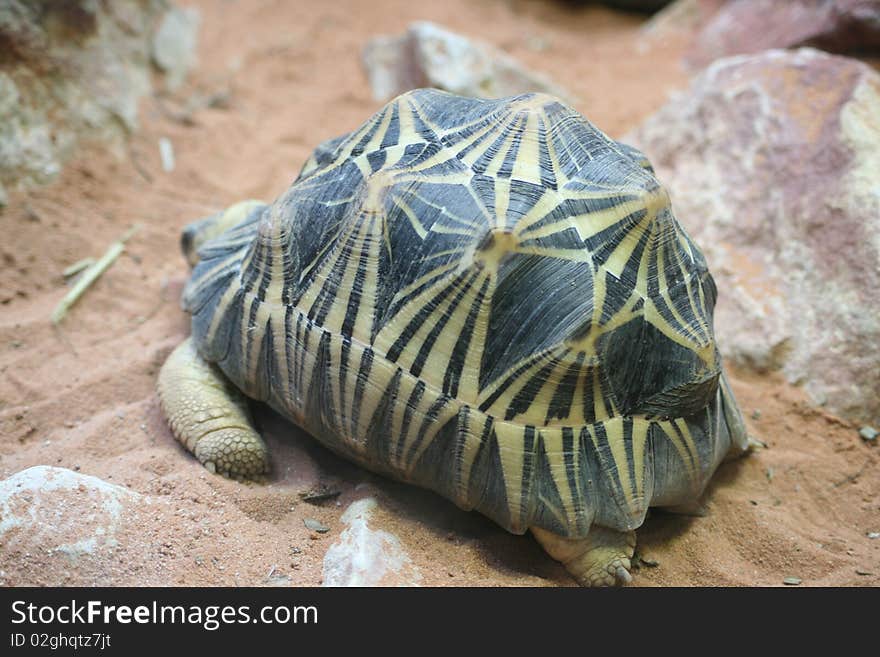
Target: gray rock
column 9, row 97
column 773, row 162
column 869, row 433
column 61, row 511
column 427, row 55
column 175, row 42
column 70, row 70
column 363, row 556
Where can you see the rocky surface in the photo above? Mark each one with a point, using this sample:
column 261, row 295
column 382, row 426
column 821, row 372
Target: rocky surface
column 363, row 556
column 720, row 28
column 75, row 70
column 175, row 43
column 427, row 55
column 773, row 161
column 63, row 515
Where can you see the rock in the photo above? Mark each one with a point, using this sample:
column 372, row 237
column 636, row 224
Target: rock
column 750, row 26
column 869, row 434
column 637, row 5
column 427, row 55
column 316, row 525
column 175, row 42
column 367, row 557
column 53, row 509
column 682, row 18
column 70, row 70
column 26, row 149
column 773, row 162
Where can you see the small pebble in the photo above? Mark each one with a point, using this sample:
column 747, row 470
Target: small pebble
column 166, row 153
column 792, row 581
column 873, row 534
column 315, row 525
column 859, row 571
column 756, row 414
column 869, row 433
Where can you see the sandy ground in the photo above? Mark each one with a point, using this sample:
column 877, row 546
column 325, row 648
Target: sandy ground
column 83, row 396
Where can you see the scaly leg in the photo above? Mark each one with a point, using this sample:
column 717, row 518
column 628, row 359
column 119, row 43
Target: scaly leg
column 603, row 558
column 209, row 415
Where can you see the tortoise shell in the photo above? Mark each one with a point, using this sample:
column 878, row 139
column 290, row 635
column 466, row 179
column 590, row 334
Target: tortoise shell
column 488, row 298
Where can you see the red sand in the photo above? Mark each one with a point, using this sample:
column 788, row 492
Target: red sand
column 83, row 396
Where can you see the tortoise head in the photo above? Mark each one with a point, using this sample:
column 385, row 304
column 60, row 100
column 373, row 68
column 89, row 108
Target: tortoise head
column 195, row 234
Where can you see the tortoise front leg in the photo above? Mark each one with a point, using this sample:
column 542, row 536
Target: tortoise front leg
column 603, row 558
column 209, row 415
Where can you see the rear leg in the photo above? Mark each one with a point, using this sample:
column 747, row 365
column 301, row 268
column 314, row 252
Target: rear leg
column 209, row 416
column 603, row 558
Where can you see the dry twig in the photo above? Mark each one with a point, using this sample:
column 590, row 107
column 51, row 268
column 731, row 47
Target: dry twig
column 90, row 275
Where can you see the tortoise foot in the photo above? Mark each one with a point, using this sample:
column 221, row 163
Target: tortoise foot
column 209, row 416
column 603, row 558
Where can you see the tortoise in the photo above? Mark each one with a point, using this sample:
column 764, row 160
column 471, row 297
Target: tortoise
column 491, row 299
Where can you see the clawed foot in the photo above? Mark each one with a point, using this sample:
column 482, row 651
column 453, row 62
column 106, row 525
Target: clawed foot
column 603, row 558
column 209, row 416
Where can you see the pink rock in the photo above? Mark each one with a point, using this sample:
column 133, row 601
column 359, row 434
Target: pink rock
column 750, row 26
column 773, row 161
